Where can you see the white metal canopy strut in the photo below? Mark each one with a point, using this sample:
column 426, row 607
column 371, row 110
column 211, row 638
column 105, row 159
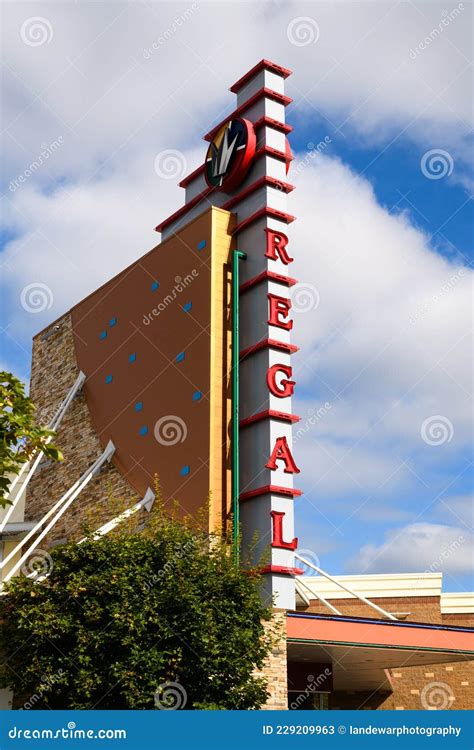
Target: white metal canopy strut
column 53, row 425
column 342, row 586
column 58, row 509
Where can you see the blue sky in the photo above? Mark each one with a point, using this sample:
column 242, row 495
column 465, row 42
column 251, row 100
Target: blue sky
column 443, row 211
column 384, row 246
column 441, row 208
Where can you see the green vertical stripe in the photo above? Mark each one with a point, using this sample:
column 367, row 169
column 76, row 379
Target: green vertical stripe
column 236, row 257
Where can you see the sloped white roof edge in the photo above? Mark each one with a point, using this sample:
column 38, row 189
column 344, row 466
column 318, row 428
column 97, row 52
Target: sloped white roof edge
column 378, row 585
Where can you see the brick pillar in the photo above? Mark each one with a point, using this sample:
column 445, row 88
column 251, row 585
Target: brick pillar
column 275, row 666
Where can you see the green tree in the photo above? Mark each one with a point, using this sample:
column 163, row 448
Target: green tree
column 158, row 619
column 20, row 436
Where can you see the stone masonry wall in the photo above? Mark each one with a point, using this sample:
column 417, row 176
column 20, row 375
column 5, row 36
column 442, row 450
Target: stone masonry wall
column 275, row 667
column 54, row 370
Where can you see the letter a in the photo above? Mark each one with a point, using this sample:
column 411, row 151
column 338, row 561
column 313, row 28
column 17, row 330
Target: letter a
column 281, row 452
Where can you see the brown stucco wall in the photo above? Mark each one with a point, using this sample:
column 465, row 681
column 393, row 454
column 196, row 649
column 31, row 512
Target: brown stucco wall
column 140, row 346
column 155, row 408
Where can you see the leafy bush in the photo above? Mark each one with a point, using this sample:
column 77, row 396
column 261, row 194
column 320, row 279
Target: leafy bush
column 123, row 617
column 20, row 435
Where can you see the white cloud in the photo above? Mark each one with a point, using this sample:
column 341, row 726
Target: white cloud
column 373, row 271
column 387, row 345
column 96, row 85
column 84, row 233
column 418, row 547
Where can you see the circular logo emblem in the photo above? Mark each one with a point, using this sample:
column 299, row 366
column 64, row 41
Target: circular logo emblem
column 230, row 154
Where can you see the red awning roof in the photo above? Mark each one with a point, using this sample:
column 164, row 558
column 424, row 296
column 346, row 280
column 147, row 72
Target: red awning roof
column 362, row 650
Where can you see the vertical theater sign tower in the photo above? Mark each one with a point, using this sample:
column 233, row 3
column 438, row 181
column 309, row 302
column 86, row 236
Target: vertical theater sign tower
column 181, row 367
column 245, row 172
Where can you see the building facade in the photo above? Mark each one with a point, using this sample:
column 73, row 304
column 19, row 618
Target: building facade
column 180, row 367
